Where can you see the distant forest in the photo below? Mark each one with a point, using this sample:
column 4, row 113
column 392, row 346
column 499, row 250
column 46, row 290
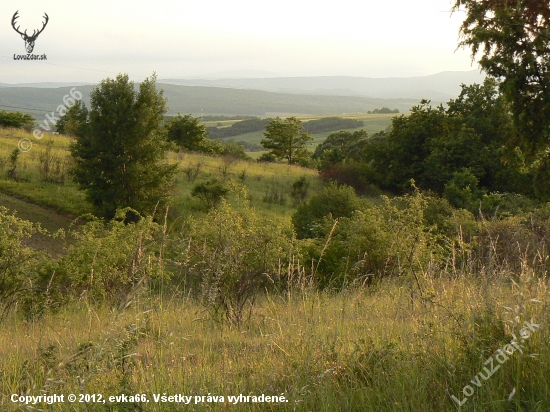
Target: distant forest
column 326, row 124
column 383, row 110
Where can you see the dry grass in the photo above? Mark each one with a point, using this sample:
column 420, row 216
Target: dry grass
column 367, row 349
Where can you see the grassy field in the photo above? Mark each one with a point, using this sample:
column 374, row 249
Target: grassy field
column 418, row 340
column 268, row 184
column 376, row 349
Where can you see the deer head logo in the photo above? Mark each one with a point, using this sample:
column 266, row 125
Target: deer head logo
column 29, row 40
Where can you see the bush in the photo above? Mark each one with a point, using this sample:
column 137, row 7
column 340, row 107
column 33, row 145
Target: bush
column 186, row 131
column 210, row 193
column 231, row 255
column 16, row 119
column 462, row 190
column 336, row 201
column 505, row 204
column 299, row 190
column 267, row 158
column 18, row 263
column 393, row 239
column 107, row 263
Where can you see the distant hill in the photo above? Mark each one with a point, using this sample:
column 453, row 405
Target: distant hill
column 210, row 100
column 440, row 86
column 266, row 96
column 45, row 85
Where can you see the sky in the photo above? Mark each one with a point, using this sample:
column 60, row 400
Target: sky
column 89, row 41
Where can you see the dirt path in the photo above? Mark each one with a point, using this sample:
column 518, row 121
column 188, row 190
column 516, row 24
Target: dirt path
column 47, row 218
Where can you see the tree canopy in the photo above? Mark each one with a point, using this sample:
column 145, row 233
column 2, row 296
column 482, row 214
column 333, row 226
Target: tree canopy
column 513, row 38
column 186, row 131
column 120, row 157
column 286, row 140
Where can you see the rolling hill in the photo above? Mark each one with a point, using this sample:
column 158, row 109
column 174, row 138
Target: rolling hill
column 200, row 100
column 265, row 96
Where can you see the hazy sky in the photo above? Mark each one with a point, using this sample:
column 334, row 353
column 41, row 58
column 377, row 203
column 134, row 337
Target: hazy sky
column 88, row 41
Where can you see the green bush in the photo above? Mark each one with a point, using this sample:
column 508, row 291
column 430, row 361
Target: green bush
column 210, row 193
column 393, row 239
column 505, row 204
column 16, row 119
column 267, row 158
column 230, row 255
column 107, row 262
column 462, row 190
column 336, row 201
column 19, row 263
column 299, row 190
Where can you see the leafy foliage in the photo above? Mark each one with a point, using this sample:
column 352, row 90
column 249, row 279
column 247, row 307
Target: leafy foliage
column 333, row 200
column 232, row 254
column 286, row 140
column 16, row 119
column 210, row 193
column 17, row 261
column 120, row 159
column 299, row 190
column 107, row 262
column 186, row 132
column 75, row 121
column 432, row 144
column 513, row 38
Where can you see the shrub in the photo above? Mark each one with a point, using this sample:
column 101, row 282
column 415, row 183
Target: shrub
column 18, row 263
column 16, row 119
column 186, row 132
column 505, row 204
column 108, row 263
column 299, row 190
column 462, row 190
column 393, row 239
column 230, row 255
column 210, row 193
column 336, row 201
column 267, row 158
column 14, row 157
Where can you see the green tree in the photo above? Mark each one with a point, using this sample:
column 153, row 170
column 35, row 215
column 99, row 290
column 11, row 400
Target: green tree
column 285, row 139
column 75, row 121
column 400, row 155
column 120, row 160
column 432, row 144
column 186, row 132
column 513, row 38
column 340, row 146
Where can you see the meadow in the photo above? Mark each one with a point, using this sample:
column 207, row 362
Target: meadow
column 412, row 322
column 362, row 349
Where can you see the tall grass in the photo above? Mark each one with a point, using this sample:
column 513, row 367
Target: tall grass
column 362, row 349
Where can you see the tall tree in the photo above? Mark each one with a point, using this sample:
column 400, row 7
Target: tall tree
column 286, row 140
column 120, row 157
column 513, row 38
